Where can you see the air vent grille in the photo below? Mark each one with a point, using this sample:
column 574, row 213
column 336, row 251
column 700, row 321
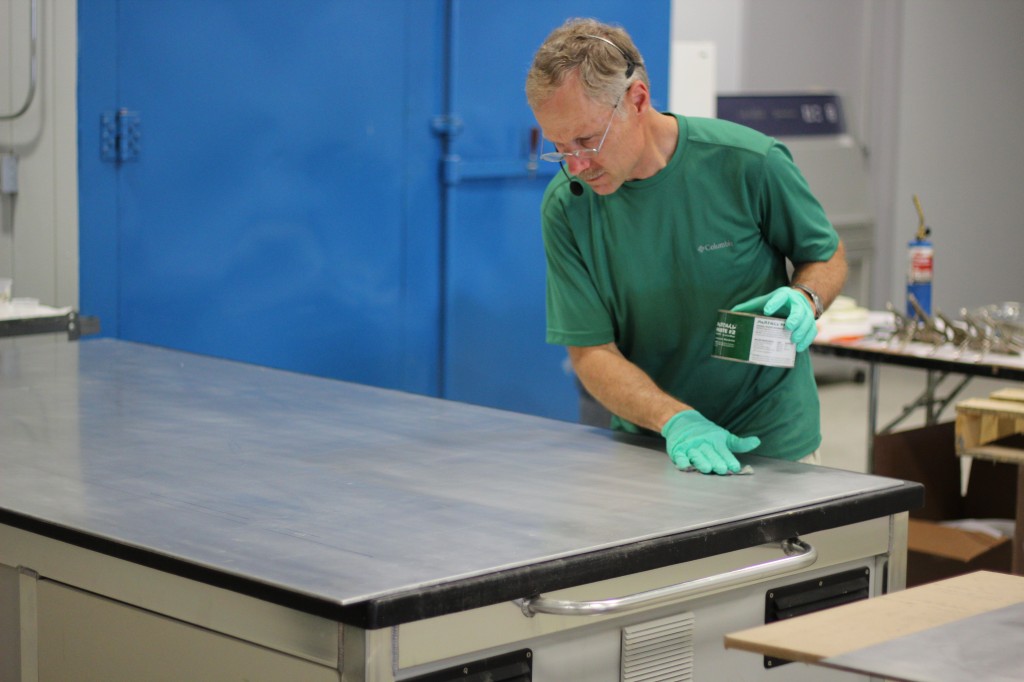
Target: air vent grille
column 659, row 651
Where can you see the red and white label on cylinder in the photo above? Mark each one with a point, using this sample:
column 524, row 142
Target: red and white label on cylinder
column 920, row 263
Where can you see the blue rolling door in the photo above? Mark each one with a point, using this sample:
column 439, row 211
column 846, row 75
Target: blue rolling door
column 327, row 186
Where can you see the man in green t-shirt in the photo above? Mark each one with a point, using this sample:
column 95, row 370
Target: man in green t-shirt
column 659, row 222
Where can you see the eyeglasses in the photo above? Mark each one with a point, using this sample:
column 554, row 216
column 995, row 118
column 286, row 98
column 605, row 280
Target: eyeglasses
column 558, row 157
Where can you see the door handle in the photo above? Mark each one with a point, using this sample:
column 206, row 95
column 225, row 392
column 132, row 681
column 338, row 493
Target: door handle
column 798, row 555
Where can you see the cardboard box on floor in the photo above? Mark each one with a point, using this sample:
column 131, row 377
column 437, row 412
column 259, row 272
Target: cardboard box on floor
column 928, row 456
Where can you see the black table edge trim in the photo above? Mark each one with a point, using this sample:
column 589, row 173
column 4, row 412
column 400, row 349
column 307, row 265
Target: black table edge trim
column 515, row 583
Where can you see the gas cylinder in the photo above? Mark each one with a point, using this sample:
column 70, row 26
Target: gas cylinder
column 920, row 257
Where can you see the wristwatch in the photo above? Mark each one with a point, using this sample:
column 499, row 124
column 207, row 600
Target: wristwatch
column 818, row 308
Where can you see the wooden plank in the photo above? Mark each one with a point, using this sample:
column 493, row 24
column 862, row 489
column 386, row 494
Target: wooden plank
column 1002, row 408
column 1008, row 394
column 851, row 627
column 968, row 432
column 995, row 453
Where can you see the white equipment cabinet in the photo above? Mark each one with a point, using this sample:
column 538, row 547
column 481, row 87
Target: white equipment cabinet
column 167, row 516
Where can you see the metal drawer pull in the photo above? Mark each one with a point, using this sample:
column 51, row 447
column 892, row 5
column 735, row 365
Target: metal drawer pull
column 799, row 555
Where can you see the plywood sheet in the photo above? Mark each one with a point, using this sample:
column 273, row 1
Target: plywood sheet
column 850, row 627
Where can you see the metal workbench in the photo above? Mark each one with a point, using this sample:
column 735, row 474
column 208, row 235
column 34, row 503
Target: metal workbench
column 22, row 320
column 939, row 363
column 354, row 510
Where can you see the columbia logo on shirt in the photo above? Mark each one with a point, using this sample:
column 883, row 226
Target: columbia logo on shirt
column 713, row 247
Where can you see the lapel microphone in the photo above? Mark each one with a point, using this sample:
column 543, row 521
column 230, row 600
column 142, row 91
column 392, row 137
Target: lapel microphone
column 575, row 186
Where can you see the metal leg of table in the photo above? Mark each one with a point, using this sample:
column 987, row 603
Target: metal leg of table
column 873, row 370
column 932, row 404
column 931, row 383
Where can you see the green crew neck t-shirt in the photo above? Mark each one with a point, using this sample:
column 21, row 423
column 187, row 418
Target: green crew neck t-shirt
column 649, row 267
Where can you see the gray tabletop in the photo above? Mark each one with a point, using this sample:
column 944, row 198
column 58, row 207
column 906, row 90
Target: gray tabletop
column 335, row 490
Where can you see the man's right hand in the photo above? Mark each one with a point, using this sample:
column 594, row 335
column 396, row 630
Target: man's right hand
column 693, row 441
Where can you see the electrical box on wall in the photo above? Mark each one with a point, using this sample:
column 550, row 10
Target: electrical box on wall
column 692, row 78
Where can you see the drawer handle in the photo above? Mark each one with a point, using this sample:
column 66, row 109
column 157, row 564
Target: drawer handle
column 798, row 553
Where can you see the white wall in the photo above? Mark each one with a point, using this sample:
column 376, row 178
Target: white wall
column 783, row 45
column 39, row 224
column 932, row 88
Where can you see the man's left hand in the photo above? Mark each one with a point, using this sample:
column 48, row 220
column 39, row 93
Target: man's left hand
column 791, row 304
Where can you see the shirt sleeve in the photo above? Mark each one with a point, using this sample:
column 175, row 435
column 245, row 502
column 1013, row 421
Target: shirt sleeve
column 576, row 315
column 792, row 218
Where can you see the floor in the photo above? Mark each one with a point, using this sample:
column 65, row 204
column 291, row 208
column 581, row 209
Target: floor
column 844, row 405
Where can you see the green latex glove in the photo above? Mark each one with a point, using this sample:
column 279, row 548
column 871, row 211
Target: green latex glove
column 692, row 440
column 791, row 304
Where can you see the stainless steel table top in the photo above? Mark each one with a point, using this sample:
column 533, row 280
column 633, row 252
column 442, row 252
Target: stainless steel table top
column 335, row 490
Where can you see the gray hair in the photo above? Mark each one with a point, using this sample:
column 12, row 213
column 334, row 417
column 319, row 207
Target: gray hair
column 600, row 54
